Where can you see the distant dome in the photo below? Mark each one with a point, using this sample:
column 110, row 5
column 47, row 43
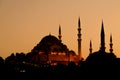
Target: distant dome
column 101, row 57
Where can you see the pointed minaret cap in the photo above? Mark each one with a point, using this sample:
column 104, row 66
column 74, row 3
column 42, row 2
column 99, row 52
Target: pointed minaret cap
column 59, row 29
column 90, row 47
column 102, row 29
column 111, row 38
column 79, row 22
column 102, row 38
column 111, row 44
column 59, row 35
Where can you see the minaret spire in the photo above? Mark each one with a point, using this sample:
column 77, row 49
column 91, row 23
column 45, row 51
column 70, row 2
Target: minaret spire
column 90, row 47
column 111, row 44
column 59, row 36
column 79, row 39
column 102, row 38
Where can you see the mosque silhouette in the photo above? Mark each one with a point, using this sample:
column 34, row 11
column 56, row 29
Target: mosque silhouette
column 51, row 50
column 51, row 59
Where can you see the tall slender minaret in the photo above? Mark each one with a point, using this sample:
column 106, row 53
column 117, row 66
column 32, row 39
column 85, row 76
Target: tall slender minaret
column 90, row 47
column 111, row 44
column 59, row 36
column 79, row 39
column 102, row 48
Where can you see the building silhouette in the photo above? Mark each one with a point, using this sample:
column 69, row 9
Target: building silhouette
column 101, row 56
column 51, row 59
column 51, row 50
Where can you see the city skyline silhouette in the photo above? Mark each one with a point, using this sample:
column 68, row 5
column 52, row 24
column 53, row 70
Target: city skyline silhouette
column 29, row 21
column 59, row 40
column 39, row 63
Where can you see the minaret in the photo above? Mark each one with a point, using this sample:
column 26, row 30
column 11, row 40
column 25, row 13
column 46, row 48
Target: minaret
column 111, row 44
column 79, row 39
column 59, row 36
column 102, row 48
column 90, row 47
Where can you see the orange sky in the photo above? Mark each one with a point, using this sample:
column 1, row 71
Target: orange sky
column 23, row 23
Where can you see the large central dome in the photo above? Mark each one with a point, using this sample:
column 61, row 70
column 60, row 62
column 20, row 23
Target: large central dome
column 49, row 40
column 50, row 43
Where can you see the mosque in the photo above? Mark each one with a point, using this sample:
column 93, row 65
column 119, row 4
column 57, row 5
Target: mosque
column 51, row 50
column 101, row 56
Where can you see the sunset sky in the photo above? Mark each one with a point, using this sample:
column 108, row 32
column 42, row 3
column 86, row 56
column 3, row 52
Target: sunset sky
column 23, row 23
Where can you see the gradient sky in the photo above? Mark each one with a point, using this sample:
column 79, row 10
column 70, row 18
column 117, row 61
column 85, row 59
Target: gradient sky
column 23, row 23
